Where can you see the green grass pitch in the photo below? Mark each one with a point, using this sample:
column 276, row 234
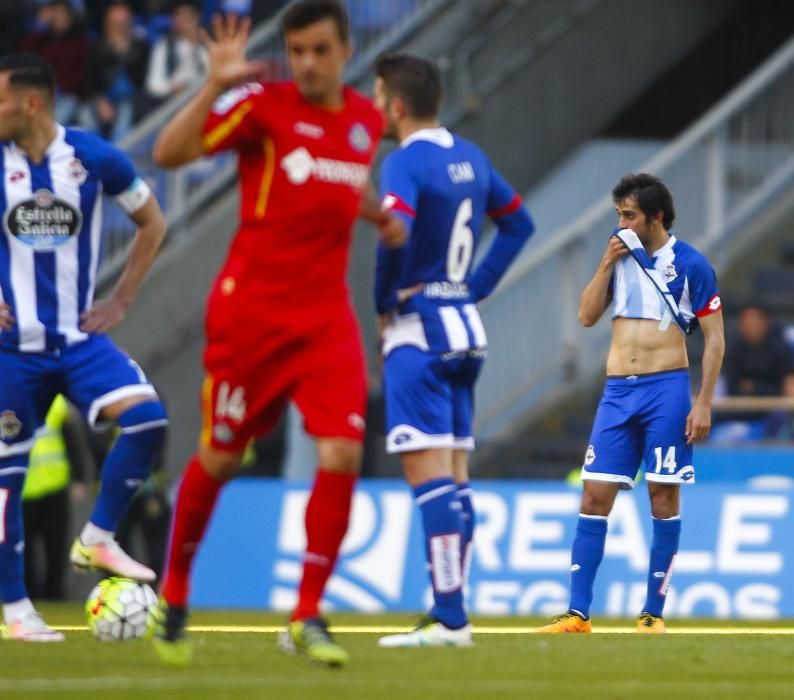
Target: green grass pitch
column 240, row 660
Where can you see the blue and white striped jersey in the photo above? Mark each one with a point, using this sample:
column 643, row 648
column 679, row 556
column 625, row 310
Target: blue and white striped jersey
column 689, row 278
column 443, row 186
column 52, row 228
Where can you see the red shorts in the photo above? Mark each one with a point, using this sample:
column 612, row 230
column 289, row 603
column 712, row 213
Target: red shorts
column 256, row 366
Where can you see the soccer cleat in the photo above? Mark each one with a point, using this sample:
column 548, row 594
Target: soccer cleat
column 567, row 623
column 110, row 557
column 429, row 633
column 312, row 638
column 31, row 628
column 170, row 638
column 650, row 624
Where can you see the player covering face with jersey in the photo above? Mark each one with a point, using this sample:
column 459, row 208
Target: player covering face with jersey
column 280, row 325
column 441, row 187
column 661, row 289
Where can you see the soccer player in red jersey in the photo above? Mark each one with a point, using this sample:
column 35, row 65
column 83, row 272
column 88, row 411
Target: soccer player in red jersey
column 279, row 322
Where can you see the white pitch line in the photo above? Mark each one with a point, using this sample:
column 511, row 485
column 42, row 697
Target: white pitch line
column 371, row 629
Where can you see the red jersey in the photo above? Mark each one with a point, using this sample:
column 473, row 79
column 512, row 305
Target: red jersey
column 303, row 170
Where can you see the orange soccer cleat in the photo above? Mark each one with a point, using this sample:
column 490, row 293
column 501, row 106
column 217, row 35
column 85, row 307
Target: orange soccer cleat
column 567, row 623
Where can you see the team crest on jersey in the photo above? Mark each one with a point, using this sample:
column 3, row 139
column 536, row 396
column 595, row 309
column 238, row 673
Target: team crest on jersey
column 43, row 221
column 77, row 171
column 10, row 425
column 669, row 273
column 590, row 455
column 359, row 137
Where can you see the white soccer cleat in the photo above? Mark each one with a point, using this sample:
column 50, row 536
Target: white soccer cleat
column 110, row 557
column 31, row 628
column 430, row 633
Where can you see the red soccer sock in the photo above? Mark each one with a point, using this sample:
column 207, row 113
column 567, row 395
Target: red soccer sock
column 327, row 516
column 195, row 502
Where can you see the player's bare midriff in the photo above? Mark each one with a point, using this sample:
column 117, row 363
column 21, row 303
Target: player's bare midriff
column 639, row 347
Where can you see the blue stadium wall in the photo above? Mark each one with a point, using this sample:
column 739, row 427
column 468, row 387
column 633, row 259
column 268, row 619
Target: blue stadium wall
column 736, row 558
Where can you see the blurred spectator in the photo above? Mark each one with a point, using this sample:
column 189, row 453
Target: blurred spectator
column 58, row 456
column 759, row 362
column 96, row 10
column 59, row 38
column 116, row 75
column 179, row 58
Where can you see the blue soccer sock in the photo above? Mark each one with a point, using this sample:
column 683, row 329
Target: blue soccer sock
column 586, row 555
column 441, row 516
column 129, row 462
column 12, row 536
column 666, row 535
column 465, row 494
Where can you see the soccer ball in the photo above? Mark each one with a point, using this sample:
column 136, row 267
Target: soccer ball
column 120, row 608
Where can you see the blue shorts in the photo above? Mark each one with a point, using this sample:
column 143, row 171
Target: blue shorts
column 642, row 417
column 92, row 374
column 430, row 399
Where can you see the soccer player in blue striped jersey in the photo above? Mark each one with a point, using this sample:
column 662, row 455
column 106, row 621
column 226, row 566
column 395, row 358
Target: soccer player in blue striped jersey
column 442, row 187
column 51, row 330
column 661, row 290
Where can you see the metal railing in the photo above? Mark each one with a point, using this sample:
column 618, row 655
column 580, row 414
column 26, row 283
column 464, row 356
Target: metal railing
column 376, row 25
column 723, row 172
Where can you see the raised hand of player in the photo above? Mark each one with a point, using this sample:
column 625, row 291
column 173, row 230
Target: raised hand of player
column 226, row 49
column 616, row 249
column 103, row 316
column 7, row 319
column 698, row 423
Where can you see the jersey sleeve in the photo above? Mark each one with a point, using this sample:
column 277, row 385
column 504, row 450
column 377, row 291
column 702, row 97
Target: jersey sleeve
column 514, row 226
column 120, row 180
column 399, row 193
column 502, row 198
column 703, row 288
column 399, row 188
column 230, row 124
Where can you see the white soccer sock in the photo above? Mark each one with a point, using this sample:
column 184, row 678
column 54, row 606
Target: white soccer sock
column 92, row 535
column 17, row 610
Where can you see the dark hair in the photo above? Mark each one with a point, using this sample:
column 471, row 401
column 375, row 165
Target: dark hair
column 415, row 80
column 60, row 3
column 29, row 70
column 755, row 305
column 651, row 194
column 194, row 5
column 305, row 12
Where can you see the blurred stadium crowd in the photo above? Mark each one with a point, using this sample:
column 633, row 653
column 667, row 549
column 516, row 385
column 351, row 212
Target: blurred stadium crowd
column 114, row 59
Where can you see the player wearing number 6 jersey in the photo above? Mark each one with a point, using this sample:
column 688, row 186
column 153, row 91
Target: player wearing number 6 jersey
column 442, row 187
column 662, row 290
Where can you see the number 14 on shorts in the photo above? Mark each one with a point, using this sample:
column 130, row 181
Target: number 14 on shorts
column 668, row 463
